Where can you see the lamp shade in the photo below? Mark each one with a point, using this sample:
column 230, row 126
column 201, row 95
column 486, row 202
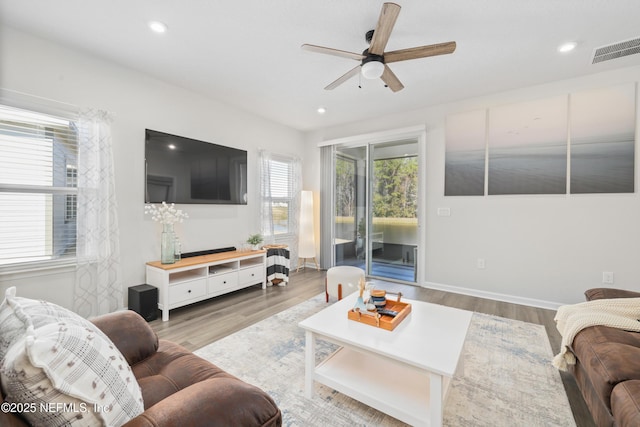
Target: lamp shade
column 372, row 69
column 307, row 242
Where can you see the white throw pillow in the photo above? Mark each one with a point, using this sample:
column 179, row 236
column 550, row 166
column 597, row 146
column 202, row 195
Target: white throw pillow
column 62, row 368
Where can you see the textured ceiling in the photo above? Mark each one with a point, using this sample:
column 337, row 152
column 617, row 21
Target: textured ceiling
column 247, row 52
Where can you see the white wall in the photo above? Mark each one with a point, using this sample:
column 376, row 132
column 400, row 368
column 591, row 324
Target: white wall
column 37, row 67
column 539, row 250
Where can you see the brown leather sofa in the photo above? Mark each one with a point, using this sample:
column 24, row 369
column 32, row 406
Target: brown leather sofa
column 179, row 388
column 607, row 369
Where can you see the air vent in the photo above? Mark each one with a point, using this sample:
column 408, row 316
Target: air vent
column 617, row 50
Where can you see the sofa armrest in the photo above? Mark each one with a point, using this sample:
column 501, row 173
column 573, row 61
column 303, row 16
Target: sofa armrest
column 130, row 333
column 607, row 293
column 625, row 403
column 210, row 403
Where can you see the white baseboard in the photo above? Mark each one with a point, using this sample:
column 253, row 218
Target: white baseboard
column 549, row 305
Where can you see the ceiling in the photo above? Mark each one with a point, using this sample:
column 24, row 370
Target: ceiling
column 246, row 53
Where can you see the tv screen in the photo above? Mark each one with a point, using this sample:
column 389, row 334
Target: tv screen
column 188, row 171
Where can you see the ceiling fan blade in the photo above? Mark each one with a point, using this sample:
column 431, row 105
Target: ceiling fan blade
column 386, row 21
column 391, row 80
column 334, row 52
column 346, row 76
column 420, row 52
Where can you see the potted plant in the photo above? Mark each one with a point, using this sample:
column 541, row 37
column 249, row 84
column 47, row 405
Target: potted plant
column 255, row 240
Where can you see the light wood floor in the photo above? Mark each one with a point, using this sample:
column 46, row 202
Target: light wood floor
column 199, row 324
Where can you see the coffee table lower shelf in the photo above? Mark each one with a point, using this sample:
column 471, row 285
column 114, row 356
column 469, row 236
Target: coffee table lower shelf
column 389, row 386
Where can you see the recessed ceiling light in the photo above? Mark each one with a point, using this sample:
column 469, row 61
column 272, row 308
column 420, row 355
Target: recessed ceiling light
column 567, row 47
column 321, row 110
column 172, row 147
column 158, row 27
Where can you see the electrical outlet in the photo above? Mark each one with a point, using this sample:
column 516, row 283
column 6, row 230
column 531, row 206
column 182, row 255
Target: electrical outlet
column 480, row 263
column 607, row 277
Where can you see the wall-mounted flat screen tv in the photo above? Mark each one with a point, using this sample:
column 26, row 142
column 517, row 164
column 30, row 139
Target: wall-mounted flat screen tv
column 188, row 171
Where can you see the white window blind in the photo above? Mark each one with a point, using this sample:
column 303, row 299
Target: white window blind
column 38, row 186
column 282, row 194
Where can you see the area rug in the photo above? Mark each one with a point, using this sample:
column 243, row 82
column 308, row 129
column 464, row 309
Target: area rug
column 506, row 378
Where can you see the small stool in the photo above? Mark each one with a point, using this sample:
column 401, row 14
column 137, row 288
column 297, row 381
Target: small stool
column 342, row 280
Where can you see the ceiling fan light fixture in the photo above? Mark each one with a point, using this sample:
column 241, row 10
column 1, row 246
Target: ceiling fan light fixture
column 374, row 58
column 372, row 69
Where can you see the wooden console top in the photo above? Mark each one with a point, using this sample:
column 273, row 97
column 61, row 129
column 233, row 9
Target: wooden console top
column 204, row 259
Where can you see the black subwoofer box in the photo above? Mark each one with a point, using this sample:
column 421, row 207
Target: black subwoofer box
column 143, row 299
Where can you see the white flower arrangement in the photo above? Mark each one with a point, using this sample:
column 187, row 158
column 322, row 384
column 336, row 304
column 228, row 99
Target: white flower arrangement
column 164, row 213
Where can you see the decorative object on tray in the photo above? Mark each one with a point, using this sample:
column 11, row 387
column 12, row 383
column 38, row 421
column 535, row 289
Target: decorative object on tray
column 387, row 314
column 255, row 240
column 360, row 304
column 168, row 215
column 379, row 298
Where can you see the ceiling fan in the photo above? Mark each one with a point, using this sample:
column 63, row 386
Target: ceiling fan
column 374, row 60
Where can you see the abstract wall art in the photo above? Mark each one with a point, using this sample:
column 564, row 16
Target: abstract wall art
column 578, row 143
column 528, row 147
column 603, row 127
column 465, row 154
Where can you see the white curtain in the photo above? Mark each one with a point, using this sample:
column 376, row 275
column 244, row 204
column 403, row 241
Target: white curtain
column 277, row 186
column 98, row 286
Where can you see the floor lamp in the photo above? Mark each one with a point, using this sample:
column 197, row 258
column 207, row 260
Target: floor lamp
column 307, row 242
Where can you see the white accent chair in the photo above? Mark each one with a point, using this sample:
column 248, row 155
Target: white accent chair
column 342, row 280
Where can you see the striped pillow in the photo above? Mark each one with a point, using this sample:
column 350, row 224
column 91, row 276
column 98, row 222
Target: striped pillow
column 62, row 368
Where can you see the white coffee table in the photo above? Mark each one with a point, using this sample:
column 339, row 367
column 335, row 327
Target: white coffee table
column 404, row 373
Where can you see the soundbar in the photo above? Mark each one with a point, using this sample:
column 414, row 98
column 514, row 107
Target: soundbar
column 208, row 252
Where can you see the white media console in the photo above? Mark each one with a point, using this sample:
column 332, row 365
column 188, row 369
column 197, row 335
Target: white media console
column 198, row 278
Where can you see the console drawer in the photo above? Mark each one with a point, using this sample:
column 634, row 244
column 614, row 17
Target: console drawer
column 220, row 282
column 187, row 291
column 253, row 275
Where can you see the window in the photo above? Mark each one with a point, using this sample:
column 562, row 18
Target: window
column 280, row 185
column 38, row 186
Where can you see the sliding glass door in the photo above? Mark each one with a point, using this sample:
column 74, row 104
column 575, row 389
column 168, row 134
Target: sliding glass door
column 350, row 197
column 393, row 228
column 376, row 197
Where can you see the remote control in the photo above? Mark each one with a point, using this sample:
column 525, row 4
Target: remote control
column 388, row 312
